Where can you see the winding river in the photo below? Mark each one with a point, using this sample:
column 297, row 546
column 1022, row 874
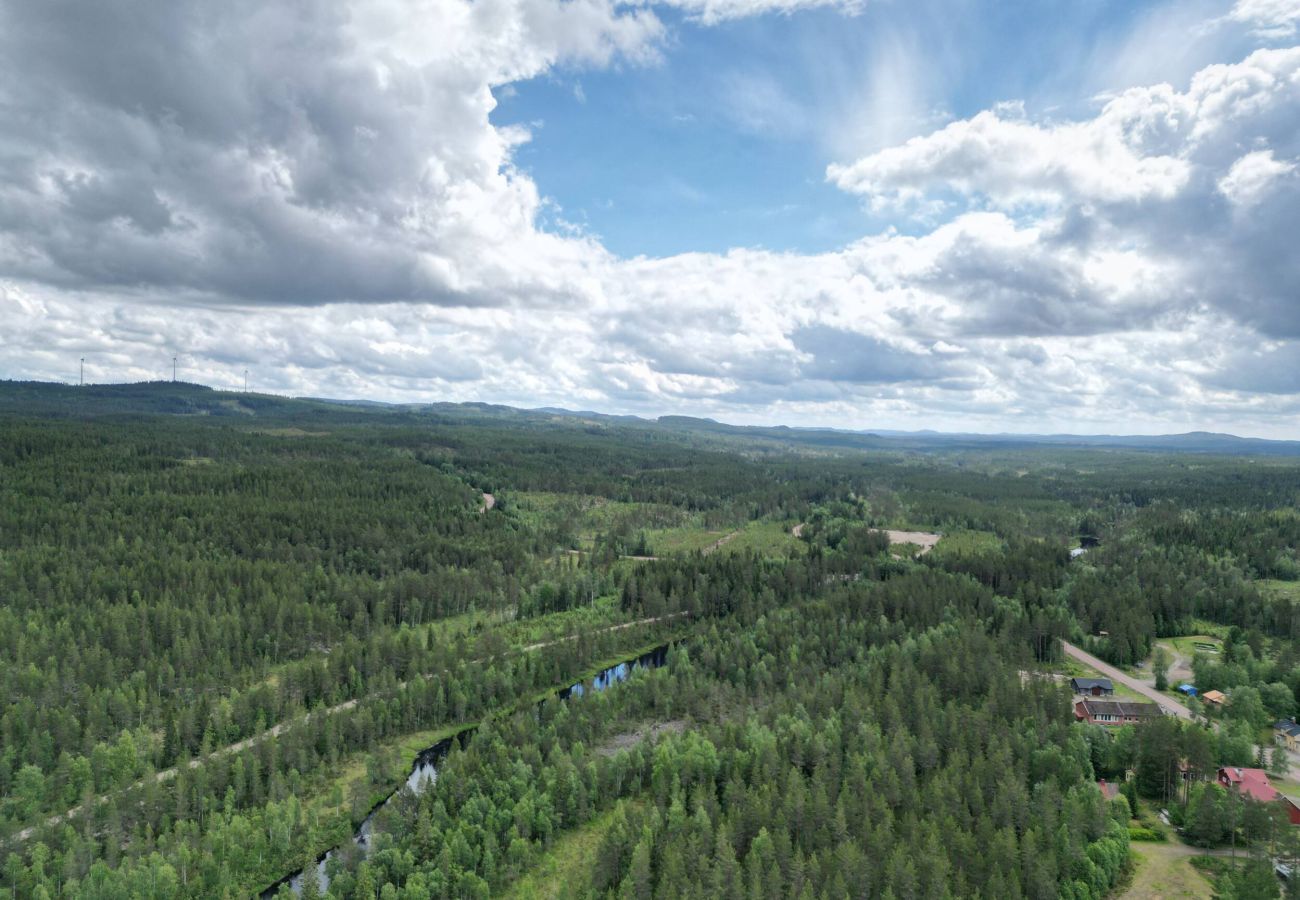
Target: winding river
column 424, row 769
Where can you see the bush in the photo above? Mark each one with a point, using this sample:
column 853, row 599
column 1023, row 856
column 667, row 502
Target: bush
column 1146, row 834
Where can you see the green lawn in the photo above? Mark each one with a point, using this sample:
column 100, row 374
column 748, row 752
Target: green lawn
column 1073, row 668
column 1186, row 645
column 1165, row 872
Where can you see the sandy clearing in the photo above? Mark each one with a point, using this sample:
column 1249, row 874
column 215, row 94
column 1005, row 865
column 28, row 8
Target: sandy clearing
column 489, row 501
column 923, row 539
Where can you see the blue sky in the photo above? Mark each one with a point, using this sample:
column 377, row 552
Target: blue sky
column 724, row 141
column 973, row 215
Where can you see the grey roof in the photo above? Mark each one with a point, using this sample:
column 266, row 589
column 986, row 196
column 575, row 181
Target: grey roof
column 1287, row 727
column 1087, row 684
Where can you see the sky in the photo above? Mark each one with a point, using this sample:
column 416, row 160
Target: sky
column 1020, row 216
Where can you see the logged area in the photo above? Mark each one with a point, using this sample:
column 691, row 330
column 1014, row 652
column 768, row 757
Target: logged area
column 253, row 646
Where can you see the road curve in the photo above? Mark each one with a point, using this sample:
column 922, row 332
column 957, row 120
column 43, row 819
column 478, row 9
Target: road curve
column 1168, row 704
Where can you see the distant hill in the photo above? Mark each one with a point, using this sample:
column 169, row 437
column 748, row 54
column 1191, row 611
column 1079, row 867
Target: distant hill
column 174, row 398
column 150, row 398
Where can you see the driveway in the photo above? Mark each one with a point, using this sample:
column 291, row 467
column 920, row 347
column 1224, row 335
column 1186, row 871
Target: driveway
column 1168, row 704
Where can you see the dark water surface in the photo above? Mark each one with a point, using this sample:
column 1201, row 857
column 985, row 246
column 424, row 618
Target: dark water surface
column 424, row 769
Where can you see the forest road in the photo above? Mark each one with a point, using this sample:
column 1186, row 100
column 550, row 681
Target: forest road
column 277, row 729
column 1168, row 704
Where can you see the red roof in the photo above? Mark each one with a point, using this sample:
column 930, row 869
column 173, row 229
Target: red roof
column 1108, row 790
column 1251, row 782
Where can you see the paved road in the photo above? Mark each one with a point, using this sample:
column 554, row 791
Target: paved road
column 1168, row 704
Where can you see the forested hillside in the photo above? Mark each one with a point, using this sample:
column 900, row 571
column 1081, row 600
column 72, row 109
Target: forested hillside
column 229, row 625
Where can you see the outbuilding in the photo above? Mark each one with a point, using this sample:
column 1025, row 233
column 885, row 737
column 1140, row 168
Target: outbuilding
column 1092, row 687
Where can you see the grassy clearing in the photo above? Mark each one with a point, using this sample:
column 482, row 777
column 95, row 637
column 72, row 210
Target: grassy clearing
column 665, row 541
column 1187, row 645
column 585, row 514
column 566, row 865
column 768, row 538
column 1165, row 872
column 966, row 543
column 1288, row 589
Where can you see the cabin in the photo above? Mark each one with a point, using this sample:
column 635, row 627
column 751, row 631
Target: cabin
column 1214, row 698
column 1114, row 712
column 1286, row 733
column 1254, row 785
column 1092, row 687
column 1108, row 789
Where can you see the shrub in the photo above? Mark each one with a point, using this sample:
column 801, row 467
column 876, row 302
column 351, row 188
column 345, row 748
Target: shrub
column 1146, row 834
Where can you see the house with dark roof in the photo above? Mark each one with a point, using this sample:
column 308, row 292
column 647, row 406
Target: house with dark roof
column 1286, row 733
column 1253, row 784
column 1092, row 687
column 1114, row 712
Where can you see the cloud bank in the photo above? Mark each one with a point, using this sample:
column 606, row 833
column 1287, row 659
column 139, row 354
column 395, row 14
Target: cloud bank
column 318, row 194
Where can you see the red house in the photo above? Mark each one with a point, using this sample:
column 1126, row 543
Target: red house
column 1253, row 783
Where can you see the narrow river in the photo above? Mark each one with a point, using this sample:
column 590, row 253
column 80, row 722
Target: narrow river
column 424, row 769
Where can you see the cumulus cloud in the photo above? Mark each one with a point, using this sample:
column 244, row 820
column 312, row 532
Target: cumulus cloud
column 1145, row 143
column 1269, row 18
column 1252, row 176
column 318, row 194
column 286, row 153
column 1134, row 211
column 1014, row 162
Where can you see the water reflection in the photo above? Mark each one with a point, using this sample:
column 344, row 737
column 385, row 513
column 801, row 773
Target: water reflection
column 424, row 771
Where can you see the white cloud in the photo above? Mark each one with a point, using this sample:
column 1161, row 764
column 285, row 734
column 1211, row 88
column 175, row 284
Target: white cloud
column 1269, row 18
column 1015, row 162
column 713, row 12
column 1143, row 145
column 1252, row 176
column 321, row 197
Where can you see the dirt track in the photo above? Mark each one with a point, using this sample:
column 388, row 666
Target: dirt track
column 279, row 728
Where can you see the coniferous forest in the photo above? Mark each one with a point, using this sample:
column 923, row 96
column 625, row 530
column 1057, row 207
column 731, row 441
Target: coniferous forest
column 230, row 625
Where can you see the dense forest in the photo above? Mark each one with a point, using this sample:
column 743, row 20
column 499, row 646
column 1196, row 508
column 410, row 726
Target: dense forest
column 230, row 624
